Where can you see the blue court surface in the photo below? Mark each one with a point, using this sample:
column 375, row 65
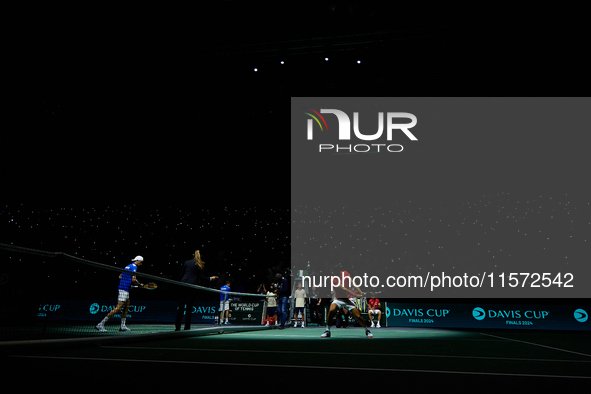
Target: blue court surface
column 423, row 360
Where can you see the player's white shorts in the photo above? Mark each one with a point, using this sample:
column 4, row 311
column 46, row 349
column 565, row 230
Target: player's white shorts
column 224, row 305
column 374, row 311
column 348, row 304
column 123, row 296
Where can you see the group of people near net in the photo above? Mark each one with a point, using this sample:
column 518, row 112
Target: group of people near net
column 192, row 272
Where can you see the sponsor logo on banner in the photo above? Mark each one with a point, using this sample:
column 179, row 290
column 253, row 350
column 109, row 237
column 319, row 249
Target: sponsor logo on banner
column 478, row 313
column 246, row 312
column 204, row 312
column 581, row 315
column 95, row 308
column 512, row 316
column 418, row 315
column 44, row 309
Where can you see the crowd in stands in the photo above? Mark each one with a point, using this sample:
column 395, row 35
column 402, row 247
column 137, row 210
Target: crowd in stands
column 495, row 231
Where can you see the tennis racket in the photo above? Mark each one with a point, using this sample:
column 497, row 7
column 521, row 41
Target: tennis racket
column 147, row 286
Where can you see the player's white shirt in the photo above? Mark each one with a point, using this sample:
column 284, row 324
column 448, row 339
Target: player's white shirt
column 271, row 301
column 300, row 296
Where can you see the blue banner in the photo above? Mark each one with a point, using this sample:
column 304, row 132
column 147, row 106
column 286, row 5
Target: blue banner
column 140, row 312
column 490, row 316
column 205, row 312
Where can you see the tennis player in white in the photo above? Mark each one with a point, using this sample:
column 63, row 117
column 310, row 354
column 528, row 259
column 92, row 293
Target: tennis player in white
column 344, row 298
column 300, row 302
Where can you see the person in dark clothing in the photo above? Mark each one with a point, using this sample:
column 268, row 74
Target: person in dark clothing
column 283, row 296
column 192, row 272
column 315, row 309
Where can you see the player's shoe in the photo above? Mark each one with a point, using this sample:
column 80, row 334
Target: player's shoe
column 124, row 328
column 378, row 326
column 326, row 334
column 368, row 333
column 227, row 323
column 100, row 328
column 373, row 324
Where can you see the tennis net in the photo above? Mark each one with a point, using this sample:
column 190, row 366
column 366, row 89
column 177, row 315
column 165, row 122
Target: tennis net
column 54, row 295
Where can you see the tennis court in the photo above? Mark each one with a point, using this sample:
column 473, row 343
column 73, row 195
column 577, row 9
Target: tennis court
column 409, row 358
column 49, row 341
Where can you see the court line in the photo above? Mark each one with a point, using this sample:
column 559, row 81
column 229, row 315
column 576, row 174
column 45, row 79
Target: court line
column 537, row 344
column 340, row 353
column 306, row 366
